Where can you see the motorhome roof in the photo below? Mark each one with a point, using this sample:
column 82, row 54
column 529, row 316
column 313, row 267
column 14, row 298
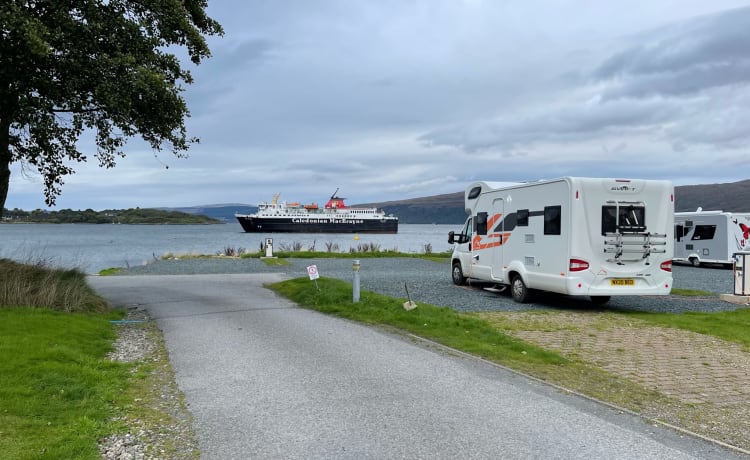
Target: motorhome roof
column 701, row 212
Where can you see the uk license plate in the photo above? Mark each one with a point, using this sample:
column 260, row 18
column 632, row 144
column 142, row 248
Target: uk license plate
column 622, row 282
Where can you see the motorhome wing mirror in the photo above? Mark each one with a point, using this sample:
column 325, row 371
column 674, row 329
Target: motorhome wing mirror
column 451, row 239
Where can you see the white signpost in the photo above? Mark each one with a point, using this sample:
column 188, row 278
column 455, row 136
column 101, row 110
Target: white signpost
column 312, row 272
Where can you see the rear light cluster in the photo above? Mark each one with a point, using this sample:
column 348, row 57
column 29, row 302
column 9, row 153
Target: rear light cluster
column 577, row 265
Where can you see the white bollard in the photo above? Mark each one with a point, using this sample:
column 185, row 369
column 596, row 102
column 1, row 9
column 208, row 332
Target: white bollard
column 355, row 284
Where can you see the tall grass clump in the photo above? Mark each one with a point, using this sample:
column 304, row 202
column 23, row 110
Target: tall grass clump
column 37, row 285
column 365, row 248
column 332, row 246
column 231, row 251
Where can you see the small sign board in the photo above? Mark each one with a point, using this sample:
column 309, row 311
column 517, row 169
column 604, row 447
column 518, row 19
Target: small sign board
column 312, row 272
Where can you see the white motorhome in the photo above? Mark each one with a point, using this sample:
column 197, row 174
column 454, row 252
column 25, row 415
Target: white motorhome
column 575, row 236
column 710, row 236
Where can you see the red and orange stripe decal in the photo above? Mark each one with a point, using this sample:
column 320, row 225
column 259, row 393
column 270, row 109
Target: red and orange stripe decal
column 493, row 240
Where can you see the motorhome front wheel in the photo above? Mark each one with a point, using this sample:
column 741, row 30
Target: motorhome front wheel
column 458, row 275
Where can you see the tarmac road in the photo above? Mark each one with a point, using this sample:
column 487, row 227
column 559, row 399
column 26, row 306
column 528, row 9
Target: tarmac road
column 265, row 379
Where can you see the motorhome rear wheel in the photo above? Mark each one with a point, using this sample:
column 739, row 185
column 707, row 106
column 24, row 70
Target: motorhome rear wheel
column 600, row 299
column 518, row 290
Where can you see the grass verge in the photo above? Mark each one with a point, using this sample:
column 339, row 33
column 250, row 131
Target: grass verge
column 482, row 336
column 732, row 326
column 440, row 324
column 275, row 262
column 436, row 256
column 157, row 410
column 692, row 293
column 58, row 390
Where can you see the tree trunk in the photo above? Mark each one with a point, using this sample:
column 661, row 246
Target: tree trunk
column 4, row 162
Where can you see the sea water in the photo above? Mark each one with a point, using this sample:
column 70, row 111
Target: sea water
column 94, row 247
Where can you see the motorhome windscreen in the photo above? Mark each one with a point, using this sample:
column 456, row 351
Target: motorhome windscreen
column 631, row 219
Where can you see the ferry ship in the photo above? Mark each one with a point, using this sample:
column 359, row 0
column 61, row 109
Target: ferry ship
column 334, row 217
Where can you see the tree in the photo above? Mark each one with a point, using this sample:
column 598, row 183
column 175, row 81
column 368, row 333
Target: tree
column 69, row 67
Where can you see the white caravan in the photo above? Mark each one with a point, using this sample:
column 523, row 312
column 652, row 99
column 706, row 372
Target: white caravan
column 710, row 236
column 573, row 236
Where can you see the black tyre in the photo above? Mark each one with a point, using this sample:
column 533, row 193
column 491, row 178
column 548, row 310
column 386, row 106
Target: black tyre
column 600, row 299
column 695, row 262
column 458, row 275
column 518, row 290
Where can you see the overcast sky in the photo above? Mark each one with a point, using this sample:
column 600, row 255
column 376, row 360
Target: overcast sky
column 396, row 99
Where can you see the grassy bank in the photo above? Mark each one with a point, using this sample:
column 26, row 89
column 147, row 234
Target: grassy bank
column 57, row 389
column 59, row 392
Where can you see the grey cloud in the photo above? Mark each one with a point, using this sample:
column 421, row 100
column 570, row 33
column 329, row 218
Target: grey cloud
column 723, row 128
column 681, row 82
column 569, row 123
column 679, row 85
column 699, row 54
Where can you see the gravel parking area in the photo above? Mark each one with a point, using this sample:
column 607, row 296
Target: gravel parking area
column 430, row 282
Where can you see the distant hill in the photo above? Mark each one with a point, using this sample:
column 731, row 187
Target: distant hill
column 435, row 209
column 449, row 208
column 732, row 197
column 224, row 212
column 108, row 216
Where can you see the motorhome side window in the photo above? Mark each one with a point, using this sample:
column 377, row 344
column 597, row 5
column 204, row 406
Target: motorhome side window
column 522, row 218
column 704, row 232
column 481, row 223
column 628, row 219
column 552, row 220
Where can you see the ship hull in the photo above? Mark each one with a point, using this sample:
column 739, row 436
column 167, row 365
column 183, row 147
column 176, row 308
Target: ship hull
column 252, row 224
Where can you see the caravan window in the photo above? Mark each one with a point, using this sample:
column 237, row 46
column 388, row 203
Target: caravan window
column 552, row 220
column 630, row 219
column 704, row 232
column 681, row 230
